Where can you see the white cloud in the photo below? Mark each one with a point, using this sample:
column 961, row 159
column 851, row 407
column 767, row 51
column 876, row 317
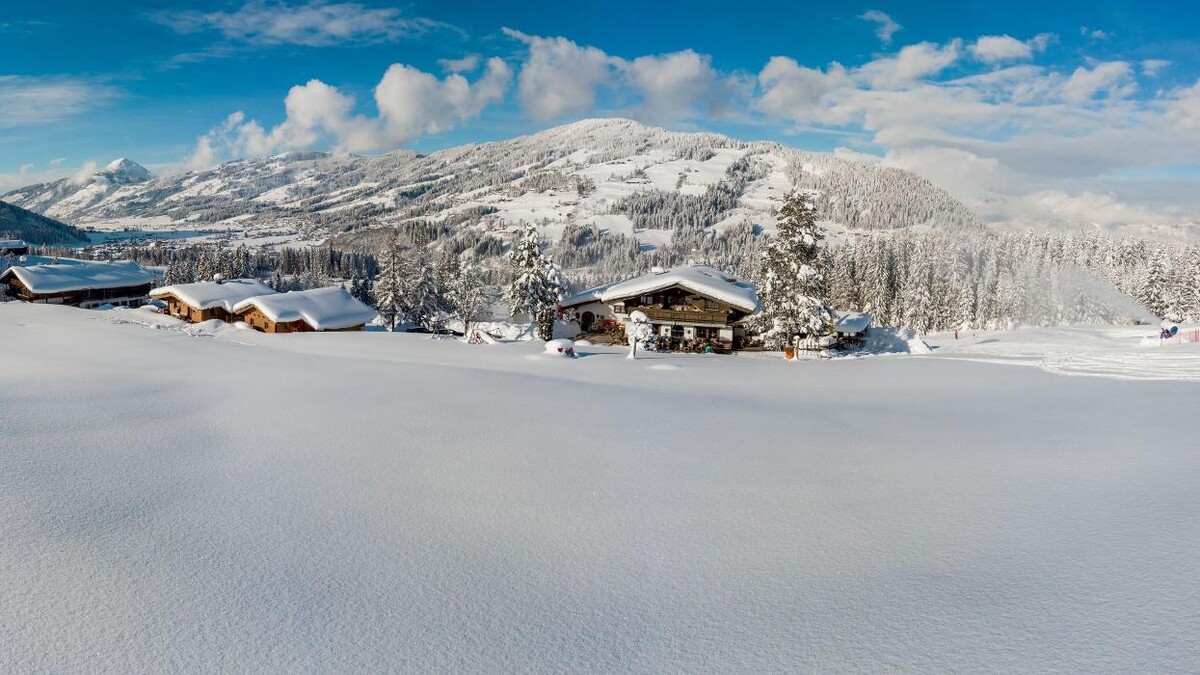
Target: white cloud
column 1095, row 34
column 466, row 64
column 1152, row 67
column 314, row 24
column 1114, row 79
column 1000, row 48
column 84, row 173
column 885, row 26
column 413, row 103
column 23, row 177
column 36, row 100
column 911, row 63
column 559, row 77
column 410, row 103
column 673, row 86
column 795, row 92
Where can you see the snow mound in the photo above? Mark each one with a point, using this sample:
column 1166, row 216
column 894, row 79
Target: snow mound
column 881, row 340
column 562, row 347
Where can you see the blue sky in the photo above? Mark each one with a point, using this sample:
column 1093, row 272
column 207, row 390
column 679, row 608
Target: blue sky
column 1082, row 111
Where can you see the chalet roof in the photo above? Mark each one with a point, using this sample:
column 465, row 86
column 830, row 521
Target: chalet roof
column 322, row 308
column 6, row 244
column 69, row 274
column 700, row 279
column 210, row 294
column 852, row 322
column 584, row 297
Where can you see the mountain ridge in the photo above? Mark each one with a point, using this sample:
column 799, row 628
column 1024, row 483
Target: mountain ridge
column 701, row 178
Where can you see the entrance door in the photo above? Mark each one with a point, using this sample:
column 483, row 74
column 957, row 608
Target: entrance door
column 586, row 321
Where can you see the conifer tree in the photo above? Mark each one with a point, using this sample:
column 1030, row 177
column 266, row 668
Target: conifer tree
column 466, row 293
column 537, row 283
column 389, row 285
column 791, row 287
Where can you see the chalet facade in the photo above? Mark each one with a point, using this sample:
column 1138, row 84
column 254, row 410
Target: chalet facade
column 689, row 304
column 319, row 309
column 81, row 283
column 208, row 300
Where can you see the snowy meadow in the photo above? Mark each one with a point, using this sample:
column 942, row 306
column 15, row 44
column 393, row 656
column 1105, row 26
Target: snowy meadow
column 207, row 498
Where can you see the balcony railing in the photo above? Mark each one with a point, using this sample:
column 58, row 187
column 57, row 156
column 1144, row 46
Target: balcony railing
column 658, row 314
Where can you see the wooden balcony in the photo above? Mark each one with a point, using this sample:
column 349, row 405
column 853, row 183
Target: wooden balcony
column 660, row 315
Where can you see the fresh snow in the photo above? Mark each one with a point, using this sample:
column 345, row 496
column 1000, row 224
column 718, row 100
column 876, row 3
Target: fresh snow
column 322, row 308
column 852, row 322
column 69, row 274
column 704, row 280
column 227, row 500
column 210, row 294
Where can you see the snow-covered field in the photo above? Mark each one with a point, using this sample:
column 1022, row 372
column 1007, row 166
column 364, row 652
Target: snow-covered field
column 205, row 498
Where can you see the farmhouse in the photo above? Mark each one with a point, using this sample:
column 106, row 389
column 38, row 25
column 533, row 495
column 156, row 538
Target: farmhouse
column 319, row 309
column 210, row 299
column 13, row 247
column 688, row 303
column 83, row 283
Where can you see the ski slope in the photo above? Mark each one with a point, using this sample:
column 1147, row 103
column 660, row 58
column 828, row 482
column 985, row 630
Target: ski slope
column 206, row 498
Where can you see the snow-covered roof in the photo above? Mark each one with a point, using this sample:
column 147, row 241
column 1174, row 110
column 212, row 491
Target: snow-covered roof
column 584, row 297
column 852, row 322
column 706, row 281
column 322, row 308
column 73, row 275
column 6, row 244
column 210, row 294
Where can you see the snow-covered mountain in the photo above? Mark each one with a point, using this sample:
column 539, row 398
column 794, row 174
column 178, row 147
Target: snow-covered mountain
column 618, row 175
column 73, row 198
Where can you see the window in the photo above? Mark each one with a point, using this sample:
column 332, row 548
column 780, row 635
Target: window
column 711, row 305
column 647, row 299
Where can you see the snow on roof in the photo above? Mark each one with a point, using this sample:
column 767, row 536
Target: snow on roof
column 706, row 281
column 12, row 243
column 73, row 275
column 210, row 294
column 584, row 297
column 322, row 308
column 852, row 322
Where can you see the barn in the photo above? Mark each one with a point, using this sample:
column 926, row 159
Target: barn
column 318, row 309
column 207, row 300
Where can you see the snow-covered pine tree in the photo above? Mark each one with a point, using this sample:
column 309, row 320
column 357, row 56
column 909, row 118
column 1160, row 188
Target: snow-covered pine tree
column 791, row 287
column 537, row 283
column 421, row 300
column 208, row 264
column 466, row 294
column 389, row 285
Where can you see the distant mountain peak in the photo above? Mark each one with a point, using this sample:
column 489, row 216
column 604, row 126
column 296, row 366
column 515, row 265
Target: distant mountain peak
column 128, row 171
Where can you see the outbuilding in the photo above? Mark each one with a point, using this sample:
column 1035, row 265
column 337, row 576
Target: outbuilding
column 318, row 309
column 207, row 300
